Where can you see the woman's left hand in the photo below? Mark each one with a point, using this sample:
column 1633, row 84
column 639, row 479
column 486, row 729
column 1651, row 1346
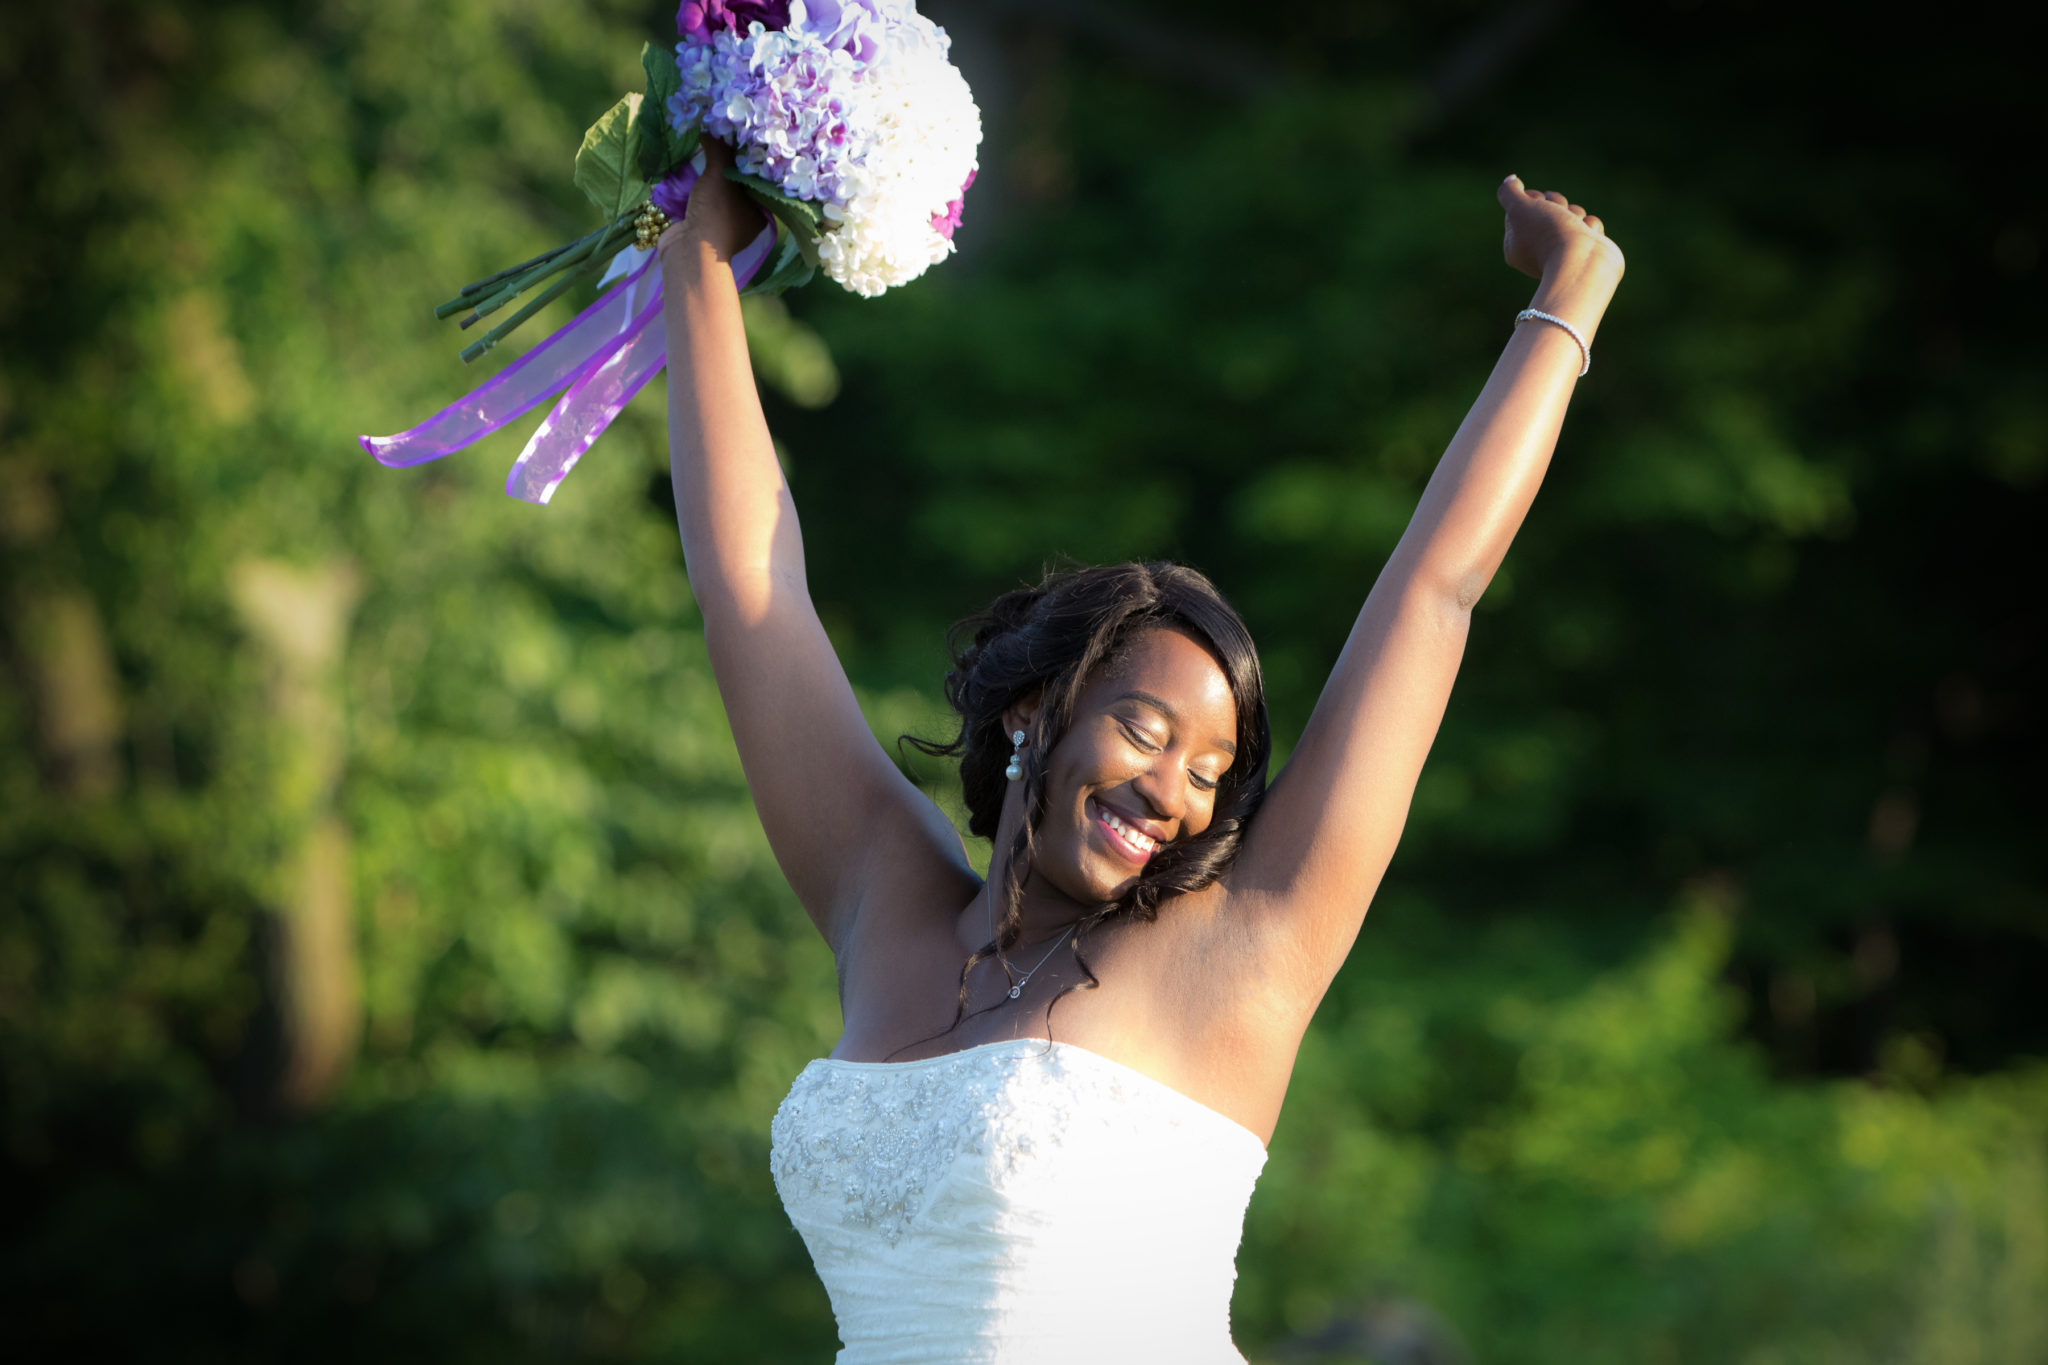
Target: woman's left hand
column 1548, row 235
column 1567, row 248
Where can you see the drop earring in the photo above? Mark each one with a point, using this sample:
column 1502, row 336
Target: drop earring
column 1015, row 772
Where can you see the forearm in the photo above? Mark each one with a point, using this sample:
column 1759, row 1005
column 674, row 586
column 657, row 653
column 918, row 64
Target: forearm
column 1488, row 476
column 738, row 523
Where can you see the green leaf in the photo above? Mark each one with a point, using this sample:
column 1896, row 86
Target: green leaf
column 806, row 243
column 606, row 168
column 802, row 216
column 661, row 148
column 663, row 78
column 789, row 269
column 651, row 147
column 686, row 144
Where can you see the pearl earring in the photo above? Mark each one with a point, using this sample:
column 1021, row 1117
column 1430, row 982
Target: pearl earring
column 1015, row 772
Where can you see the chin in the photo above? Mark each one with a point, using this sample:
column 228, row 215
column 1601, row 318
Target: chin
column 1096, row 880
column 1079, row 886
column 1114, row 891
column 1080, row 874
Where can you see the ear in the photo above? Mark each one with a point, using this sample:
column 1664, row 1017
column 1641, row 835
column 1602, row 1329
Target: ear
column 1019, row 714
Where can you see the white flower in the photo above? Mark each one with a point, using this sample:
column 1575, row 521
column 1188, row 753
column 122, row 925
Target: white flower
column 882, row 146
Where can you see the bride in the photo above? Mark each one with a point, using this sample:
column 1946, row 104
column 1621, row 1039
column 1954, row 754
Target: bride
column 1037, row 1136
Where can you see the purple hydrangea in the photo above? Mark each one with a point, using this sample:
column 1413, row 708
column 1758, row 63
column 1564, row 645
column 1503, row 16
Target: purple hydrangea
column 785, row 114
column 847, row 25
column 947, row 223
column 851, row 105
column 697, row 20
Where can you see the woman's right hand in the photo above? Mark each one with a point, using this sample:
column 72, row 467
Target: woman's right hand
column 719, row 213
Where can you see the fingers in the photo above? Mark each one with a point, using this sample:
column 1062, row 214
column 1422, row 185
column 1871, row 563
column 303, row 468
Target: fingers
column 1512, row 189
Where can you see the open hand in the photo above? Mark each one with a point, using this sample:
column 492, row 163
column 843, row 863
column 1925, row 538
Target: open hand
column 1548, row 235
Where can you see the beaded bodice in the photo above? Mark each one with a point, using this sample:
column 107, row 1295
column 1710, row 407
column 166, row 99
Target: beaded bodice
column 1021, row 1201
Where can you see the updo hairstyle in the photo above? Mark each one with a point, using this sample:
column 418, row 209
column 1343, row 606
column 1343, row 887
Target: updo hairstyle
column 1052, row 640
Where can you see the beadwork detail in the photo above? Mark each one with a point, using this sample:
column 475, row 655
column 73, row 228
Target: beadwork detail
column 871, row 1143
column 648, row 226
column 1585, row 350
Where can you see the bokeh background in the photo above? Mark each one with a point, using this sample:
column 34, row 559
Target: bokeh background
column 389, row 958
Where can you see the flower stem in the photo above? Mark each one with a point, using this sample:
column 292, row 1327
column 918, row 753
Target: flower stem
column 481, row 286
column 588, row 260
column 577, row 252
column 494, row 284
column 519, row 284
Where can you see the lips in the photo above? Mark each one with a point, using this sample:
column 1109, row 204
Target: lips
column 1130, row 843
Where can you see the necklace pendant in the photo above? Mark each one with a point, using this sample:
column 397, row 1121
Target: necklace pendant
column 1016, row 991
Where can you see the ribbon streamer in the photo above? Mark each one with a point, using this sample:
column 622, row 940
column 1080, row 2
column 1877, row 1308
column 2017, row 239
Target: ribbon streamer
column 597, row 363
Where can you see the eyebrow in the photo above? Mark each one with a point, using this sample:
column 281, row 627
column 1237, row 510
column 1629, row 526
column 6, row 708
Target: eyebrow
column 1173, row 716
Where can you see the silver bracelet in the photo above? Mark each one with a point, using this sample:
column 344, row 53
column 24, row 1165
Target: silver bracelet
column 1585, row 351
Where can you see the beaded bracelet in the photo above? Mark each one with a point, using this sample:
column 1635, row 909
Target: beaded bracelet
column 1585, row 351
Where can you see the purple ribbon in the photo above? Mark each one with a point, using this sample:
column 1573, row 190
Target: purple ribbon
column 598, row 363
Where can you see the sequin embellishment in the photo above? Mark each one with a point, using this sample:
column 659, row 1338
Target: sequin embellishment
column 873, row 1142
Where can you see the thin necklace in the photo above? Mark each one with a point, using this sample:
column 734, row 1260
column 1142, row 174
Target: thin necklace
column 1025, row 979
column 1017, row 986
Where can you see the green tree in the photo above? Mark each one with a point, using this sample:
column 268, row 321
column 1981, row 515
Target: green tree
column 388, row 953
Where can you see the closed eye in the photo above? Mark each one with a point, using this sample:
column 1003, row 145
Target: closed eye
column 1139, row 737
column 1145, row 743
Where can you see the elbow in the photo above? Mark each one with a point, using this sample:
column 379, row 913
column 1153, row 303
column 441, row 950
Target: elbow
column 744, row 597
column 1454, row 582
column 1465, row 589
column 1452, row 587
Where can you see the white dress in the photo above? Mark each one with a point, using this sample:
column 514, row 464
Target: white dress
column 1019, row 1202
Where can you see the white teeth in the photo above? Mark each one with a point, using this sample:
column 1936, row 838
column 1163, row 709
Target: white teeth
column 1136, row 838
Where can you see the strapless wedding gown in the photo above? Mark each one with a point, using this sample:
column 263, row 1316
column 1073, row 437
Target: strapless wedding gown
column 1019, row 1202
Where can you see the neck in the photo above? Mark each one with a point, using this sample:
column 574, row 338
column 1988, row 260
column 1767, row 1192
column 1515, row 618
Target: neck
column 1044, row 915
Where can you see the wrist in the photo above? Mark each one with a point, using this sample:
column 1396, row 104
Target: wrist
column 682, row 247
column 1578, row 289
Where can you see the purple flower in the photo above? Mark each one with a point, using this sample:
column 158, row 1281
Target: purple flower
column 844, row 24
column 947, row 223
column 697, row 20
column 672, row 194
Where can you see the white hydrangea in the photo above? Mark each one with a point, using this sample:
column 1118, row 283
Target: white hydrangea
column 923, row 130
column 885, row 147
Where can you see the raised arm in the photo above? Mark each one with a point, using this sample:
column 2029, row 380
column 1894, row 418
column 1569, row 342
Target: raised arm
column 838, row 814
column 1314, row 856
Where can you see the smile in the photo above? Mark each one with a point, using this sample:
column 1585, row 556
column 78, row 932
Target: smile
column 1134, row 844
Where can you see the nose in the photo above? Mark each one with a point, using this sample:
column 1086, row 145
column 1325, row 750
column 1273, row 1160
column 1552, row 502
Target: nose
column 1163, row 787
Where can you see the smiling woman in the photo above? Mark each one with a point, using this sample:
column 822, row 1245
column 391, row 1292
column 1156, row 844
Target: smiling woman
column 971, row 1186
column 1137, row 692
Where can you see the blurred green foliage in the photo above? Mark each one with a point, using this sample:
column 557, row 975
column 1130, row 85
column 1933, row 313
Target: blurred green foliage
column 1698, row 1020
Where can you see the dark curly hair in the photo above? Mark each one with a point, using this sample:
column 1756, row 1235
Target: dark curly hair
column 1051, row 640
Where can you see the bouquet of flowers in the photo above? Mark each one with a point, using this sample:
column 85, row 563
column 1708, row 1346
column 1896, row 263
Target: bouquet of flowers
column 850, row 128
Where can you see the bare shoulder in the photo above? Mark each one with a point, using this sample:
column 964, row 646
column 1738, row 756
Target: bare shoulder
column 1210, row 964
column 1235, row 963
column 1220, row 1015
column 915, row 869
column 898, row 955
